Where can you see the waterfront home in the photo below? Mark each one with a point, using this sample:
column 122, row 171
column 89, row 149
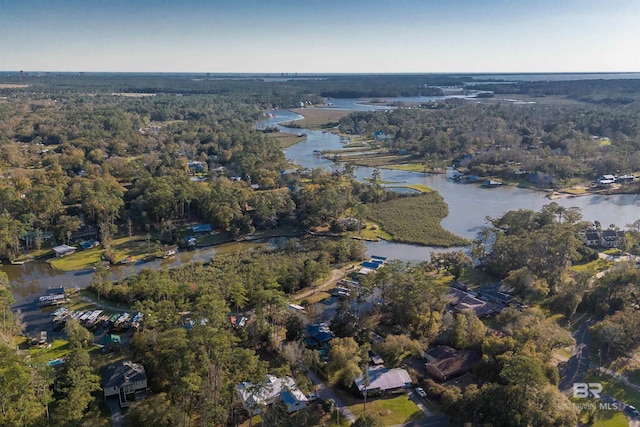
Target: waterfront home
column 86, row 232
column 169, row 250
column 603, row 238
column 63, row 250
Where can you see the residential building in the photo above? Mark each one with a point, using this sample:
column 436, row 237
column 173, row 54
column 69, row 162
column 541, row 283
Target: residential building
column 383, row 380
column 439, row 353
column 84, row 233
column 63, row 250
column 124, row 379
column 274, row 390
column 603, row 238
column 453, row 366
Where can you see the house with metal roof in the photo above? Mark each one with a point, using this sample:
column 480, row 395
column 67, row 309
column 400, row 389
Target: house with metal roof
column 255, row 397
column 383, row 380
column 63, row 250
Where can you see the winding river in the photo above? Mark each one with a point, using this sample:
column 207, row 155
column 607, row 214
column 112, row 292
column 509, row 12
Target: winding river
column 468, row 206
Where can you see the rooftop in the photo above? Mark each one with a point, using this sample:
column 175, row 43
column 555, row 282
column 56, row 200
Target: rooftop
column 123, row 373
column 382, row 378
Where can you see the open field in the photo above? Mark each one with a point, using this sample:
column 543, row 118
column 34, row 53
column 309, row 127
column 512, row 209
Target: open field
column 315, row 118
column 12, row 86
column 416, row 220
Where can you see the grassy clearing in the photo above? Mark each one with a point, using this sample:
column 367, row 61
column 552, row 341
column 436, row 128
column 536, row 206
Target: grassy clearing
column 410, row 167
column 611, row 419
column 375, row 160
column 612, row 387
column 286, row 140
column 397, row 410
column 136, row 247
column 576, row 191
column 592, row 267
column 58, row 349
column 315, row 118
column 419, row 187
column 416, row 220
column 12, row 86
column 371, row 231
column 313, row 298
column 565, row 352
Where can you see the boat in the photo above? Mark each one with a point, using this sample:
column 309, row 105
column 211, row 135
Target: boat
column 491, row 184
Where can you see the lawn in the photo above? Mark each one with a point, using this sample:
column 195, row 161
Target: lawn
column 136, row 247
column 612, row 387
column 392, row 411
column 313, row 298
column 592, row 267
column 57, row 349
column 611, row 419
column 371, row 231
column 416, row 220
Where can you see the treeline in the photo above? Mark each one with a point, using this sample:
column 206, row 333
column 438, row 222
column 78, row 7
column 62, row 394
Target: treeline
column 604, row 91
column 241, row 279
column 562, row 141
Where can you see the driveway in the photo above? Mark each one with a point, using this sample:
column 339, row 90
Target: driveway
column 325, row 392
column 117, row 416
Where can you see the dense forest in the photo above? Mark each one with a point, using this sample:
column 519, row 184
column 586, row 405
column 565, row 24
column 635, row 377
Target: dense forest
column 579, row 141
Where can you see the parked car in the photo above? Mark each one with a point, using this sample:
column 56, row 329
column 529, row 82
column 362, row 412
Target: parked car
column 421, row 392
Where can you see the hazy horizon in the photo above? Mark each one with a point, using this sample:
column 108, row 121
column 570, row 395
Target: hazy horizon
column 321, row 37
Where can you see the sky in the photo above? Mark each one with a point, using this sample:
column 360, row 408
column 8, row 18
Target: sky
column 328, row 36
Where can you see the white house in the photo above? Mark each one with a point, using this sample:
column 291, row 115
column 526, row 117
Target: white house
column 63, row 250
column 383, row 380
column 274, row 390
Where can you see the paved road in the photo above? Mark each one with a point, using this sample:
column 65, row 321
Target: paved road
column 325, row 393
column 578, row 363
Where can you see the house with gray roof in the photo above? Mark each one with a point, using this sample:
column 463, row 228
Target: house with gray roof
column 383, row 380
column 124, row 379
